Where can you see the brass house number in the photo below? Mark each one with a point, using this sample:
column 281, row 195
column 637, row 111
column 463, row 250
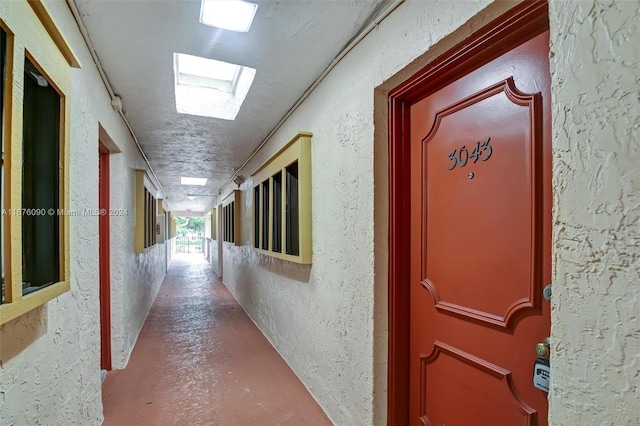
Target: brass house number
column 460, row 157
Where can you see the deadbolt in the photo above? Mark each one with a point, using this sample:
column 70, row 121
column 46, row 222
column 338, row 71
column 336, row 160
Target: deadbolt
column 547, row 292
column 543, row 349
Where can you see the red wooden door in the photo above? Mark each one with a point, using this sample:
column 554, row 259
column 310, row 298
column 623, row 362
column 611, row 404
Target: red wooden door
column 479, row 240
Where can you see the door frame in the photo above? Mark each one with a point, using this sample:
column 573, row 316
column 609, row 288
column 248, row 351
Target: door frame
column 104, row 257
column 524, row 20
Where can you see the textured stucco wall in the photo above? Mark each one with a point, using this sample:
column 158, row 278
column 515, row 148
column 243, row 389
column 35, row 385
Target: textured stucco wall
column 321, row 317
column 595, row 67
column 213, row 256
column 327, row 319
column 50, row 357
column 142, row 272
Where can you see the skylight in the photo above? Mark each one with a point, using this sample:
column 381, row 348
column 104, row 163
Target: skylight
column 234, row 15
column 193, row 181
column 207, row 68
column 210, row 88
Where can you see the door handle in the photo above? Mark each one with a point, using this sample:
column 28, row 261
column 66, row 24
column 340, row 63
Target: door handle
column 541, row 367
column 543, row 349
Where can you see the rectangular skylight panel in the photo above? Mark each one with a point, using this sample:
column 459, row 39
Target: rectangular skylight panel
column 209, row 88
column 207, row 68
column 234, row 15
column 193, row 181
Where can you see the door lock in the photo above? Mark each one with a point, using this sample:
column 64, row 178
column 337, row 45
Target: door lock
column 541, row 367
column 547, row 292
column 543, row 349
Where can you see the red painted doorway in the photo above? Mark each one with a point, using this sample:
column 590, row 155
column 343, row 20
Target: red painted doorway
column 470, row 229
column 105, row 256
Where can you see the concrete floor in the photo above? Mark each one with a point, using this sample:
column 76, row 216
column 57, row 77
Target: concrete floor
column 200, row 360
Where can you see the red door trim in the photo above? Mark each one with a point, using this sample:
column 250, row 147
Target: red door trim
column 526, row 20
column 105, row 263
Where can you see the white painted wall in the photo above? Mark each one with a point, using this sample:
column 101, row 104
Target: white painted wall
column 212, row 244
column 321, row 317
column 213, row 256
column 595, row 66
column 328, row 320
column 135, row 278
column 50, row 357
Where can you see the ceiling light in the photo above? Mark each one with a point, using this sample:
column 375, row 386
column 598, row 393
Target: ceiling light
column 191, row 197
column 193, row 181
column 234, row 15
column 210, row 88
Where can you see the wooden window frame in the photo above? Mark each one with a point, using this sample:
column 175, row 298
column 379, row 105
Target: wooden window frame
column 172, row 225
column 32, row 34
column 297, row 150
column 146, row 212
column 230, row 211
column 214, row 223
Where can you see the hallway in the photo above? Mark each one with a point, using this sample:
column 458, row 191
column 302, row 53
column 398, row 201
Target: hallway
column 200, row 360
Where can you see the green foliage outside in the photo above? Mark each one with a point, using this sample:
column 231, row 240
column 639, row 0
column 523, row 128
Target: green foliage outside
column 189, row 225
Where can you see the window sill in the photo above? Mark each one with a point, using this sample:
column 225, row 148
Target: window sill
column 303, row 260
column 9, row 311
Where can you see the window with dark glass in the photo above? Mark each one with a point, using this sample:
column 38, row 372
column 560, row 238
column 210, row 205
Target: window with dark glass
column 229, row 222
column 150, row 218
column 292, row 214
column 265, row 215
column 276, row 213
column 40, row 181
column 146, row 217
column 256, row 216
column 35, row 75
column 282, row 202
column 226, row 223
column 146, row 213
column 153, row 219
column 233, row 222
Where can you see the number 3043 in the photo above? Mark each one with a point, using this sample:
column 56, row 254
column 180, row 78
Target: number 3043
column 460, row 157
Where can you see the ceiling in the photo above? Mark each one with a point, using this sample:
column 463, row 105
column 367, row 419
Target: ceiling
column 290, row 44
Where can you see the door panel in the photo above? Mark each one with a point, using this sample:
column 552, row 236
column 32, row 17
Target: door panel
column 481, row 390
column 463, row 242
column 480, row 242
